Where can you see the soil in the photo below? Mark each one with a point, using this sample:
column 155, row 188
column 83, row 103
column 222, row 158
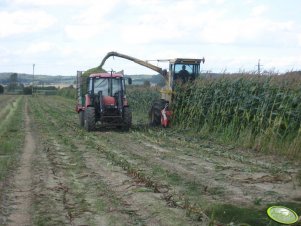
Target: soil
column 21, row 191
column 148, row 176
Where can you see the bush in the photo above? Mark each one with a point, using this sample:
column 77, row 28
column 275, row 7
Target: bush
column 27, row 90
column 69, row 92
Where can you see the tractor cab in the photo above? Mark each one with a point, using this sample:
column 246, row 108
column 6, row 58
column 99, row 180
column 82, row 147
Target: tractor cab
column 106, row 92
column 184, row 70
column 104, row 100
column 106, row 85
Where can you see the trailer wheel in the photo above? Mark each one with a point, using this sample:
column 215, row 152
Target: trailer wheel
column 127, row 118
column 81, row 115
column 155, row 112
column 89, row 116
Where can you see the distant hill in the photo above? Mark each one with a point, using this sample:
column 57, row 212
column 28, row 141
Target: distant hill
column 154, row 79
column 26, row 79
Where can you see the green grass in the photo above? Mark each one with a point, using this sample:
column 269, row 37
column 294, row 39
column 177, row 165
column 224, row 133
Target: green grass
column 11, row 137
column 227, row 213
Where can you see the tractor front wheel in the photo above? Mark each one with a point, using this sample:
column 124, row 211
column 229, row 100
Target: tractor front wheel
column 81, row 115
column 127, row 118
column 155, row 112
column 89, row 122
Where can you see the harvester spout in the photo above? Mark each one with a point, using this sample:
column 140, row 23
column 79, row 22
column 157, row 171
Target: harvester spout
column 137, row 61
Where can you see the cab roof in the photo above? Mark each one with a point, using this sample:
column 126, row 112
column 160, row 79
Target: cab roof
column 186, row 61
column 106, row 75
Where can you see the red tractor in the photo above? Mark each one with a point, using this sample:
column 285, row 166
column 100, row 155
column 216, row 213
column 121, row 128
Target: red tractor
column 104, row 101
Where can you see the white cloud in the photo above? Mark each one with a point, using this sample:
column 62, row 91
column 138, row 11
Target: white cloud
column 225, row 32
column 91, row 21
column 155, row 23
column 82, row 32
column 259, row 10
column 21, row 21
column 38, row 47
column 95, row 11
column 4, row 53
column 252, row 30
column 42, row 48
column 299, row 39
column 48, row 2
column 148, row 29
column 249, row 2
column 283, row 63
column 282, row 26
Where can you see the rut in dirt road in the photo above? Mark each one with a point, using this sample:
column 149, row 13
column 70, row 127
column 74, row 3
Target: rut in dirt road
column 22, row 186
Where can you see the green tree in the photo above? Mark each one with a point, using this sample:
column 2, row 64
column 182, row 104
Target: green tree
column 12, row 82
column 27, row 90
column 147, row 83
column 1, row 89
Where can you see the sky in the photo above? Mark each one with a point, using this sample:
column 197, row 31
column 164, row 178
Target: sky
column 61, row 37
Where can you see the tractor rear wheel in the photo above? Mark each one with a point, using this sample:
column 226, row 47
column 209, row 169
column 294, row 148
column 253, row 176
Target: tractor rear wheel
column 89, row 122
column 127, row 118
column 155, row 112
column 81, row 115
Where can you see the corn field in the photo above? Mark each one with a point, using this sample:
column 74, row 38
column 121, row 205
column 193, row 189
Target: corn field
column 263, row 113
column 141, row 98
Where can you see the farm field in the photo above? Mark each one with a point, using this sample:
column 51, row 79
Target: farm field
column 55, row 173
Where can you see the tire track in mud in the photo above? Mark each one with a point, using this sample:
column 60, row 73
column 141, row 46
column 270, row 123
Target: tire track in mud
column 21, row 192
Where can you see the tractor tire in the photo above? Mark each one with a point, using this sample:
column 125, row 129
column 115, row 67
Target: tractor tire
column 81, row 115
column 127, row 119
column 89, row 122
column 155, row 112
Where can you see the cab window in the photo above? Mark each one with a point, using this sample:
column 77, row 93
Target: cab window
column 101, row 84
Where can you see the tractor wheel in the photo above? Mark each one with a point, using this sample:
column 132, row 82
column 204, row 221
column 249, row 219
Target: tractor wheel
column 155, row 112
column 89, row 122
column 81, row 115
column 127, row 118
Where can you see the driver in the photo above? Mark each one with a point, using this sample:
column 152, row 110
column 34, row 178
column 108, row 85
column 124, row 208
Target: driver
column 184, row 74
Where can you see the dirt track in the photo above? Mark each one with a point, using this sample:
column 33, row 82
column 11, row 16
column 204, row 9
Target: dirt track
column 145, row 177
column 21, row 193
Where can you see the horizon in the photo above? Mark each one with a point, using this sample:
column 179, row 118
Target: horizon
column 263, row 73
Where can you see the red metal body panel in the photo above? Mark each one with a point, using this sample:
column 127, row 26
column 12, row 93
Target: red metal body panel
column 106, row 75
column 108, row 100
column 88, row 100
column 165, row 117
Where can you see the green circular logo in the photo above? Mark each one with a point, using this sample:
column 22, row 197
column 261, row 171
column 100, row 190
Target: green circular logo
column 282, row 214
